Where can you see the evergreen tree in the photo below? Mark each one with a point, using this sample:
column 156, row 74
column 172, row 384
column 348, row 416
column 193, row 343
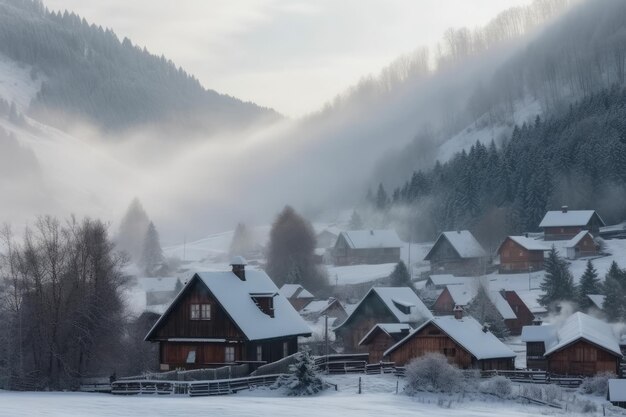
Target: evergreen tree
column 291, row 252
column 400, row 276
column 589, row 284
column 484, row 310
column 242, row 243
column 356, row 223
column 302, row 378
column 558, row 284
column 382, row 200
column 616, row 273
column 133, row 229
column 615, row 300
column 152, row 258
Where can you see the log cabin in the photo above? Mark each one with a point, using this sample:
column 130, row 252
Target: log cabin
column 581, row 346
column 381, row 337
column 380, row 305
column 457, row 253
column 297, row 295
column 227, row 317
column 582, row 245
column 462, row 340
column 370, row 247
column 565, row 224
column 521, row 254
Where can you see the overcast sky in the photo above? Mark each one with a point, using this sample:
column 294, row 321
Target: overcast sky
column 291, row 55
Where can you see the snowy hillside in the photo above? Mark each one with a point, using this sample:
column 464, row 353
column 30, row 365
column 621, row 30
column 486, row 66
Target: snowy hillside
column 16, row 84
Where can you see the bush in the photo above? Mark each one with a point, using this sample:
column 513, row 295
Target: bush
column 532, row 391
column 499, row 386
column 302, row 378
column 597, row 385
column 432, row 373
column 553, row 393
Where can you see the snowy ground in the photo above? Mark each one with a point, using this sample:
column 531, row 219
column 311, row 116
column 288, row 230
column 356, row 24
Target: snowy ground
column 378, row 399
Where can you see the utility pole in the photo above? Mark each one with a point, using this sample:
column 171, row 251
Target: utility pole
column 326, row 338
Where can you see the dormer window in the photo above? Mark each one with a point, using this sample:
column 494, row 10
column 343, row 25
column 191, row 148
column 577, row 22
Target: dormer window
column 265, row 302
column 200, row 312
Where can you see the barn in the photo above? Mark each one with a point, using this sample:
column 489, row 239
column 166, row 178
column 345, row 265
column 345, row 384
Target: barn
column 464, row 341
column 581, row 346
column 367, row 247
column 381, row 337
column 457, row 253
column 521, row 254
column 580, row 246
column 565, row 224
column 227, row 317
column 381, row 305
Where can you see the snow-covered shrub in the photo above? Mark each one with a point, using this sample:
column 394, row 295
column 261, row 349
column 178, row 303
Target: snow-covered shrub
column 553, row 393
column 598, row 384
column 532, row 391
column 432, row 373
column 499, row 386
column 302, row 378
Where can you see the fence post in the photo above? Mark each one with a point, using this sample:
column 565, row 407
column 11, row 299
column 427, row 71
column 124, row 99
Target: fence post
column 397, row 383
column 359, row 385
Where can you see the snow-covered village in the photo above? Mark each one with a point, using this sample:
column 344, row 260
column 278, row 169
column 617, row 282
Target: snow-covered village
column 278, row 208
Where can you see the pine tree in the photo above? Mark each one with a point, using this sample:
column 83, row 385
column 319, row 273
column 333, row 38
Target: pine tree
column 616, row 273
column 356, row 223
column 484, row 310
column 242, row 243
column 615, row 301
column 152, row 258
column 132, row 231
column 589, row 284
column 303, row 378
column 382, row 200
column 558, row 284
column 400, row 276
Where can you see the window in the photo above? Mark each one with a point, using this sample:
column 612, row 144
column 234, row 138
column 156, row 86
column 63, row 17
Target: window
column 449, row 351
column 205, row 312
column 259, row 353
column 285, row 349
column 229, row 354
column 191, row 356
column 195, row 312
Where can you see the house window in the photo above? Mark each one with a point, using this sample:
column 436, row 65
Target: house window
column 449, row 351
column 285, row 349
column 205, row 312
column 191, row 356
column 195, row 312
column 229, row 354
column 259, row 353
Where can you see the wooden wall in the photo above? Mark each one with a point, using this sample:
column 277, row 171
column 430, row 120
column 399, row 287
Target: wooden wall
column 524, row 316
column 378, row 345
column 582, row 358
column 444, row 259
column 444, row 304
column 515, row 258
column 562, row 233
column 175, row 354
column 344, row 255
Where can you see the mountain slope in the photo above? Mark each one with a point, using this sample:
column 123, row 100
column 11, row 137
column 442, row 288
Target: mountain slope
column 87, row 73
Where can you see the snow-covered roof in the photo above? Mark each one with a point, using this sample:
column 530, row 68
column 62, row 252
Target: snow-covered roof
column 238, row 260
column 462, row 294
column 531, row 299
column 560, row 218
column 617, row 390
column 597, row 300
column 503, row 306
column 295, row 290
column 576, row 239
column 358, row 274
column 463, row 242
column 528, row 243
column 441, row 280
column 370, row 239
column 318, row 306
column 235, row 296
column 546, row 333
column 468, row 333
column 388, row 328
column 583, row 326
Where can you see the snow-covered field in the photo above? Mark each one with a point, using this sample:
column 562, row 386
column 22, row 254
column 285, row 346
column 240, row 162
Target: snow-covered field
column 378, row 399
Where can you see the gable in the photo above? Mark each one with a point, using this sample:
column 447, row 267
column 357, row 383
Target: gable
column 442, row 249
column 370, row 307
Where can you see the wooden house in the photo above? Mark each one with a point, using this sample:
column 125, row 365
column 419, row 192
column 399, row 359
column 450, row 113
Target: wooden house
column 381, row 337
column 367, row 247
column 297, row 295
column 521, row 254
column 457, row 253
column 331, row 307
column 580, row 246
column 565, row 224
column 453, row 296
column 227, row 317
column 523, row 314
column 464, row 341
column 380, row 305
column 581, row 346
column 617, row 392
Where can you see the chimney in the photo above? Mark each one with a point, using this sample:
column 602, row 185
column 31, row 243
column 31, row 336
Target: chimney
column 564, row 209
column 458, row 312
column 239, row 267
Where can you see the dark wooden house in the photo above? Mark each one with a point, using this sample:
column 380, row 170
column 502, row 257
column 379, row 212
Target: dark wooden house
column 367, row 247
column 381, row 337
column 331, row 307
column 297, row 295
column 521, row 254
column 380, row 305
column 581, row 346
column 451, row 297
column 225, row 318
column 523, row 315
column 457, row 253
column 565, row 224
column 462, row 340
column 582, row 245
